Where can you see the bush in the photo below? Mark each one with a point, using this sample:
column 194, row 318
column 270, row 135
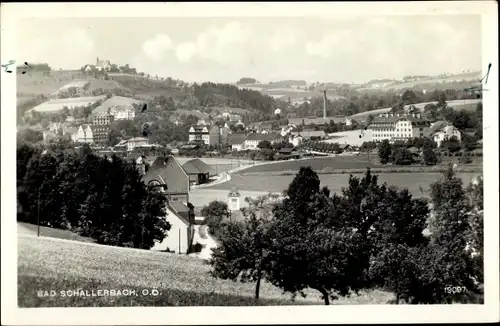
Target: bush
column 465, row 160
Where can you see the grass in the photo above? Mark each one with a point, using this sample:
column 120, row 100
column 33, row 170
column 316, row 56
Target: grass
column 25, row 228
column 46, row 264
column 337, row 162
column 414, row 182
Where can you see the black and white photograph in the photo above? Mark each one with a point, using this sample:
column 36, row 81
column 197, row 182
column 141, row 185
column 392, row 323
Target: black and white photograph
column 342, row 156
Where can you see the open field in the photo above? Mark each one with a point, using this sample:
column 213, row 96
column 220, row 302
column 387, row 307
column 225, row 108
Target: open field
column 335, row 182
column 214, row 160
column 317, row 163
column 455, row 78
column 457, row 104
column 25, row 228
column 62, row 265
column 59, row 104
column 40, row 83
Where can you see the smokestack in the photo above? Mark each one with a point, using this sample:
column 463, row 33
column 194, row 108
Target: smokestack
column 324, row 104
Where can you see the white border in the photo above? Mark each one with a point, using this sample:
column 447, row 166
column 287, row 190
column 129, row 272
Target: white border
column 249, row 315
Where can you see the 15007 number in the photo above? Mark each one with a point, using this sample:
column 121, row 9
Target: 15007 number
column 455, row 289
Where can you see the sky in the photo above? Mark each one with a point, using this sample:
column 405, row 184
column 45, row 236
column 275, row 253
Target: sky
column 344, row 49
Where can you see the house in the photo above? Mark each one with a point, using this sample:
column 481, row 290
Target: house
column 199, row 133
column 398, row 127
column 296, row 139
column 103, row 65
column 253, row 140
column 288, row 152
column 348, row 122
column 445, row 133
column 89, row 68
column 198, row 171
column 237, row 141
column 84, row 134
column 49, row 135
column 121, row 108
column 123, row 112
column 136, row 142
column 183, row 229
column 166, row 172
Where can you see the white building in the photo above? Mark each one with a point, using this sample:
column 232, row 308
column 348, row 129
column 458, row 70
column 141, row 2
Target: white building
column 446, row 133
column 348, row 122
column 122, row 112
column 398, row 127
column 277, row 111
column 295, row 140
column 84, row 135
column 234, row 200
column 136, row 142
column 199, row 133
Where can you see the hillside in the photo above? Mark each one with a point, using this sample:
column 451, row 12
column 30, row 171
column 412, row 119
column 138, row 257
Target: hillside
column 60, row 265
column 469, row 104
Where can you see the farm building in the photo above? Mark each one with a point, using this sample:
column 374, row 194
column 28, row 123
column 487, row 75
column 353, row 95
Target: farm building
column 197, row 170
column 55, row 106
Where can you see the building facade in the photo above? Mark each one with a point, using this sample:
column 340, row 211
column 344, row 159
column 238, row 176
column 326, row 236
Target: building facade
column 199, row 133
column 136, row 142
column 84, row 135
column 446, row 133
column 102, row 119
column 122, row 112
column 100, row 133
column 399, row 127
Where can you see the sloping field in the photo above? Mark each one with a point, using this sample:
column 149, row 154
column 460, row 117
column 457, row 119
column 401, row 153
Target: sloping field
column 456, row 104
column 57, row 105
column 64, row 266
column 466, row 76
column 197, row 113
column 45, row 83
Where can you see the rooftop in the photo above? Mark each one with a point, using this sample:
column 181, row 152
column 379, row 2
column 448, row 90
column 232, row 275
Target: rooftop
column 236, row 139
column 262, row 137
column 197, row 166
column 115, row 101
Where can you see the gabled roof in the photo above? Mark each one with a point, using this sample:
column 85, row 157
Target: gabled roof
column 176, row 180
column 313, row 133
column 197, row 166
column 287, row 150
column 236, row 139
column 261, row 137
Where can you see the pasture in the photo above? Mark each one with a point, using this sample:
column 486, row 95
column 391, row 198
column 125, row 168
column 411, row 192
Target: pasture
column 414, row 182
column 59, row 104
column 60, row 265
column 44, row 83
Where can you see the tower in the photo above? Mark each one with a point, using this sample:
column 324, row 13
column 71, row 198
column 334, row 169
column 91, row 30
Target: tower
column 324, row 103
column 234, row 200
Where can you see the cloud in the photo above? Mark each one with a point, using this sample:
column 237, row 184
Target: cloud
column 226, row 45
column 185, row 51
column 156, row 47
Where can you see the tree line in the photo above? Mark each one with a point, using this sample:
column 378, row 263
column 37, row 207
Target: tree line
column 370, row 236
column 98, row 197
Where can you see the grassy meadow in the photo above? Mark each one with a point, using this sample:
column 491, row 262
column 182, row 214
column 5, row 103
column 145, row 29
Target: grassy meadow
column 48, row 264
column 414, row 182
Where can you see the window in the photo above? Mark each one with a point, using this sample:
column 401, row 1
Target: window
column 234, row 200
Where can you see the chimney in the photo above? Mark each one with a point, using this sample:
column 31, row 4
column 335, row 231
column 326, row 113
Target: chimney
column 324, row 104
